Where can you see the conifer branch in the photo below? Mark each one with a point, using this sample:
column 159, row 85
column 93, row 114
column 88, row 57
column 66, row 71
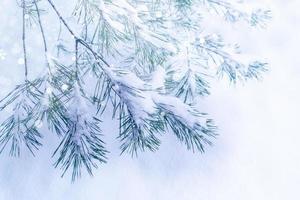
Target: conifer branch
column 148, row 61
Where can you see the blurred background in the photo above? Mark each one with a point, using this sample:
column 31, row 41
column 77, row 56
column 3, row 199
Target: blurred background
column 255, row 157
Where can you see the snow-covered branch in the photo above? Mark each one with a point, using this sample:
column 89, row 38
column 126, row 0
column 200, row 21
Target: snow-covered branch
column 147, row 60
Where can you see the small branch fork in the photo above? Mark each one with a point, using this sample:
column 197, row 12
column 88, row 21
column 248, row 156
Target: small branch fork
column 106, row 67
column 82, row 42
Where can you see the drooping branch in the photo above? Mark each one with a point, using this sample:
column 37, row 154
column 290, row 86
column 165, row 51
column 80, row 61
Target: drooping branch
column 154, row 88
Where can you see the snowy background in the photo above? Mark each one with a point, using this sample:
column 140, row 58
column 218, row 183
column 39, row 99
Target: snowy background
column 256, row 156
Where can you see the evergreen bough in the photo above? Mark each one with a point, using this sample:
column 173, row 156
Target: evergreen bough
column 147, row 60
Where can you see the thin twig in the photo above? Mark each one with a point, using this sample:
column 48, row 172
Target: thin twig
column 24, row 40
column 43, row 35
column 76, row 60
column 85, row 25
column 62, row 19
column 58, row 38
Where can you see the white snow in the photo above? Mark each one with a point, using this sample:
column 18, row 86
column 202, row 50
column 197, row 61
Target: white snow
column 256, row 155
column 21, row 61
column 2, row 54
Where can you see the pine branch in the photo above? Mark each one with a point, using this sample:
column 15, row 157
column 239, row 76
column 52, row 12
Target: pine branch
column 142, row 136
column 258, row 17
column 20, row 128
column 149, row 61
